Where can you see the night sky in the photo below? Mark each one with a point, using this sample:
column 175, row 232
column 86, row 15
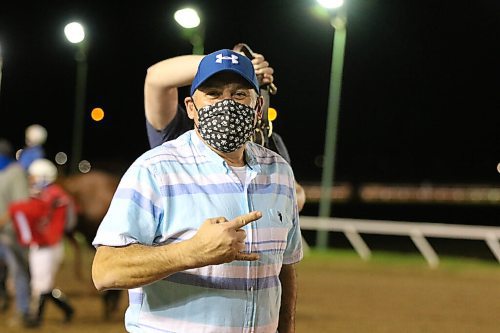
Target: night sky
column 420, row 94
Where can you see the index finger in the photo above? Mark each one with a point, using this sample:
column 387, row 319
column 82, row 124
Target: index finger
column 243, row 220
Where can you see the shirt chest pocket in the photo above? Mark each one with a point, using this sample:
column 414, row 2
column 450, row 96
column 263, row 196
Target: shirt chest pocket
column 277, row 231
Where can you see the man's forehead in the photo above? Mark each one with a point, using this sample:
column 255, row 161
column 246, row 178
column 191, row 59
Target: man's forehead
column 226, row 78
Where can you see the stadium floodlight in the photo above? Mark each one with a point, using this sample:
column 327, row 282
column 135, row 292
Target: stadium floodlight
column 331, row 4
column 192, row 28
column 75, row 34
column 338, row 22
column 187, row 18
column 1, row 65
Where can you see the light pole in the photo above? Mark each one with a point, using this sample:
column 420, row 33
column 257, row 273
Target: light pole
column 1, row 65
column 193, row 30
column 75, row 34
column 338, row 20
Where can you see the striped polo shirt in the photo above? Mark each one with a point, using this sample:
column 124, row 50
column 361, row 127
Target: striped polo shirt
column 164, row 197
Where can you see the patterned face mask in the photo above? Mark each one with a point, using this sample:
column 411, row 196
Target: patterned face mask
column 226, row 125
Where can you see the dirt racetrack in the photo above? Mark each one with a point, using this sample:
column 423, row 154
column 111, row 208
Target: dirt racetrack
column 338, row 292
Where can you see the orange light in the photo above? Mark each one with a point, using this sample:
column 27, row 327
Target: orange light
column 97, row 114
column 272, row 114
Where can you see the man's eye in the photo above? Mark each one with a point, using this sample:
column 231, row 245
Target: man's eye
column 241, row 94
column 213, row 93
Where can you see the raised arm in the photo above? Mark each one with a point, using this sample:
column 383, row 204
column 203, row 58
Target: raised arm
column 165, row 77
column 160, row 87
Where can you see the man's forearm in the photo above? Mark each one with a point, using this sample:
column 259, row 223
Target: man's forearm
column 217, row 241
column 137, row 265
column 288, row 280
column 160, row 87
column 174, row 72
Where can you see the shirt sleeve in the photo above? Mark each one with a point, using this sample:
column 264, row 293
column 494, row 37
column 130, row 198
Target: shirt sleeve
column 179, row 125
column 26, row 215
column 277, row 145
column 294, row 251
column 135, row 210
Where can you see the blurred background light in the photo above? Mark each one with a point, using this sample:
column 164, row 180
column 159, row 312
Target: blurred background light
column 84, row 166
column 74, row 32
column 272, row 114
column 331, row 4
column 97, row 114
column 187, row 18
column 61, row 158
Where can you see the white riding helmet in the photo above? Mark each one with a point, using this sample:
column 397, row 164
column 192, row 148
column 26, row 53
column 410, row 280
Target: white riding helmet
column 43, row 172
column 35, row 135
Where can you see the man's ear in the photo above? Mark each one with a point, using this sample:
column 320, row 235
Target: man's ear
column 190, row 109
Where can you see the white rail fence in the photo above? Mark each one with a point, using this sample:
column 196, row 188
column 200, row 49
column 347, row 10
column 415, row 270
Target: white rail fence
column 352, row 228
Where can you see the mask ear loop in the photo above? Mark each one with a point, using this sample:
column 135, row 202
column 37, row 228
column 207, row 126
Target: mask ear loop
column 196, row 108
column 192, row 100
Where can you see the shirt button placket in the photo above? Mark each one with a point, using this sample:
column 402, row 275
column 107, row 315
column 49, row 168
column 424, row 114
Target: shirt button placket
column 251, row 238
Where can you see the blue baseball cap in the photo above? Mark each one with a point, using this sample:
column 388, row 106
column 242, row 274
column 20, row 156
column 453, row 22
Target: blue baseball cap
column 224, row 60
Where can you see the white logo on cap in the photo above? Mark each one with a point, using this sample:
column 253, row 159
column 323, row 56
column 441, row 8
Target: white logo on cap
column 220, row 57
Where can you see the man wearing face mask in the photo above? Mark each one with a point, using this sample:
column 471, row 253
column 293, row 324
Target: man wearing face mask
column 203, row 230
column 166, row 119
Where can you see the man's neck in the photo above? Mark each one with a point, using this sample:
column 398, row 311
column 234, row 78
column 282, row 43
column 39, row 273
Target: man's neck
column 235, row 158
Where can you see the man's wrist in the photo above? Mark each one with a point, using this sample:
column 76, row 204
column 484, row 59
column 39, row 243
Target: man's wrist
column 187, row 254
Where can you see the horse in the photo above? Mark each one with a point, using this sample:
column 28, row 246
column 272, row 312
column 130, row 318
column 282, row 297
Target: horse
column 92, row 193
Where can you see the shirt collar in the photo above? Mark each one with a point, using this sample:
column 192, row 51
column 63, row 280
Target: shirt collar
column 203, row 149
